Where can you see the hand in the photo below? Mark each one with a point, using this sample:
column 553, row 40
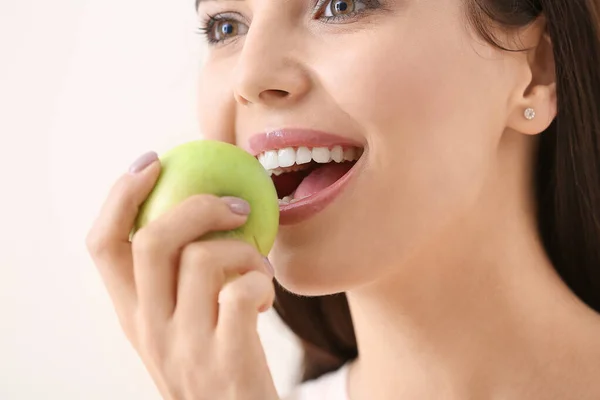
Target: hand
column 194, row 330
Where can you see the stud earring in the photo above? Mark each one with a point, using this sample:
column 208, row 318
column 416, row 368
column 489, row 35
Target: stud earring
column 530, row 114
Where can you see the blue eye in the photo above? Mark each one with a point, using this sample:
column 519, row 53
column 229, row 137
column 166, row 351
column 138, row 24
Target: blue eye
column 226, row 28
column 341, row 8
column 220, row 28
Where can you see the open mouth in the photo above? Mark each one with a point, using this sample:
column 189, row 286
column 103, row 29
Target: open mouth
column 301, row 172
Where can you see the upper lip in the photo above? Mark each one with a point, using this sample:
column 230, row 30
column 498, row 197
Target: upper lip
column 282, row 138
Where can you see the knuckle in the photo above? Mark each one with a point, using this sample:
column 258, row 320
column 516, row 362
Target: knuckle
column 209, row 207
column 146, row 240
column 245, row 250
column 204, row 202
column 252, row 290
column 93, row 240
column 246, row 255
column 198, row 254
column 238, row 297
column 97, row 244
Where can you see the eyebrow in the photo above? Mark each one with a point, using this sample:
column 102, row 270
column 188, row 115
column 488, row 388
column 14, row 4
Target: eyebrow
column 201, row 1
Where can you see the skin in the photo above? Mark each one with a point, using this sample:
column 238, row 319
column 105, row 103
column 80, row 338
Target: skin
column 434, row 241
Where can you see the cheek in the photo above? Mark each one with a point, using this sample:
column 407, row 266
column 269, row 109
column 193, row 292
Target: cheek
column 430, row 112
column 215, row 102
column 429, row 106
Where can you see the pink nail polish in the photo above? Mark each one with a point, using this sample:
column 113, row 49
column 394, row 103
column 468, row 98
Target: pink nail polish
column 237, row 205
column 143, row 162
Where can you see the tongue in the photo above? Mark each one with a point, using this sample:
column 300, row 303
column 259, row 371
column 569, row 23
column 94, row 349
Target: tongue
column 321, row 178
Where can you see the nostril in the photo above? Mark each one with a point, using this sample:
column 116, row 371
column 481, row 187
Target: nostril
column 274, row 94
column 280, row 93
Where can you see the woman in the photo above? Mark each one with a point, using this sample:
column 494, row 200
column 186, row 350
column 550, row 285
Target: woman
column 439, row 167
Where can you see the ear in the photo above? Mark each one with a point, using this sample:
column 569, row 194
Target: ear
column 536, row 87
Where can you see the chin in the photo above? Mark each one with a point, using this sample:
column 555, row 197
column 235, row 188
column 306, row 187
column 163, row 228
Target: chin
column 305, row 285
column 307, row 273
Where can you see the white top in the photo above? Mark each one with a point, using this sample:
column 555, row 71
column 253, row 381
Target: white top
column 331, row 386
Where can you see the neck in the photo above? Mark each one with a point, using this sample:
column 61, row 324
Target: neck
column 479, row 317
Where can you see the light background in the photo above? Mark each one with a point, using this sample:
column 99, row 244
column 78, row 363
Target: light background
column 85, row 87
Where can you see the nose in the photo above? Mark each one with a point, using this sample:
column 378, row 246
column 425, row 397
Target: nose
column 269, row 69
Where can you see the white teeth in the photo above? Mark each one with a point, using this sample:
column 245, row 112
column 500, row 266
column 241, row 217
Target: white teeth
column 271, row 160
column 285, row 200
column 286, row 157
column 288, row 200
column 292, row 159
column 321, row 155
column 350, row 154
column 337, row 154
column 303, row 155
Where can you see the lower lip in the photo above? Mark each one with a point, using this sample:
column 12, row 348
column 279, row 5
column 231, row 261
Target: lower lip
column 305, row 208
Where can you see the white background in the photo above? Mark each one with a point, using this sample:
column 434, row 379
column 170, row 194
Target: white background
column 85, row 87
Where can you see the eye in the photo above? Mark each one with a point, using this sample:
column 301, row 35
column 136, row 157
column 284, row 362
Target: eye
column 225, row 29
column 342, row 8
column 219, row 28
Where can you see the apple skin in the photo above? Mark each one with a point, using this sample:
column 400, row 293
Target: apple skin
column 220, row 169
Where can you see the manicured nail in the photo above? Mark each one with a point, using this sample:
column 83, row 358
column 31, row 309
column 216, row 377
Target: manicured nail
column 237, row 205
column 269, row 266
column 144, row 161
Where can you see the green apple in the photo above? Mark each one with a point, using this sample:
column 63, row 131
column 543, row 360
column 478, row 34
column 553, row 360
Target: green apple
column 220, row 169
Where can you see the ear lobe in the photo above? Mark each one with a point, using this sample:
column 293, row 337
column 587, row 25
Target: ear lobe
column 540, row 92
column 542, row 100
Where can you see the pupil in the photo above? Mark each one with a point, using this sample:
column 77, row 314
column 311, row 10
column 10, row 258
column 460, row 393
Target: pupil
column 341, row 6
column 227, row 29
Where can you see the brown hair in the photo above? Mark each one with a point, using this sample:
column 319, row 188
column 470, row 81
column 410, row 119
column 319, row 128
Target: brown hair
column 567, row 174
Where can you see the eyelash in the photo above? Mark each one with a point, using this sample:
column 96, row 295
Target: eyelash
column 209, row 21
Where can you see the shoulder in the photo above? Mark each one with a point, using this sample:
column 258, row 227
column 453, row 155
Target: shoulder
column 331, row 386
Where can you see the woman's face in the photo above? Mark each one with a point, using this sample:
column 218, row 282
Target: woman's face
column 408, row 80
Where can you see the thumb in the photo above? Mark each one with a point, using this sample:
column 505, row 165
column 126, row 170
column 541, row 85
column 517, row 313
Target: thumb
column 120, row 209
column 108, row 239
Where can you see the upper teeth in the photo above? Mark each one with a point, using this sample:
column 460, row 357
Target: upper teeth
column 287, row 157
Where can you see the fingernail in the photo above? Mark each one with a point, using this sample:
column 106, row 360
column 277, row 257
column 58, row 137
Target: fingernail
column 269, row 266
column 237, row 205
column 143, row 161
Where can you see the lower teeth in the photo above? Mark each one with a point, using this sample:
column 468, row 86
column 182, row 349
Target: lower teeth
column 288, row 200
